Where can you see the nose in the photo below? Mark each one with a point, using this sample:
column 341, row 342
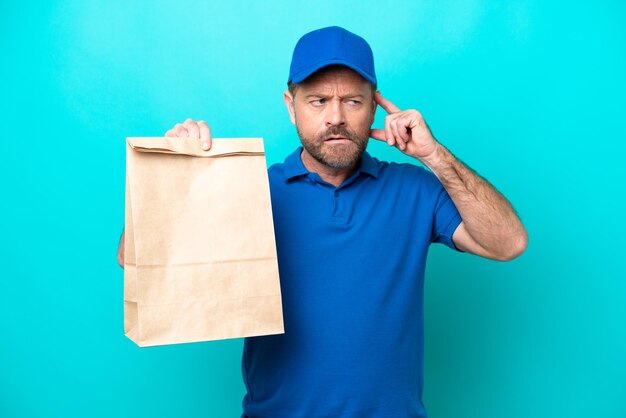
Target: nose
column 335, row 114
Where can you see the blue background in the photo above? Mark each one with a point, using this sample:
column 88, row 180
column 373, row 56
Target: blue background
column 531, row 94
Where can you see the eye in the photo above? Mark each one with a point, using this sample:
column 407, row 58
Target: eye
column 354, row 102
column 318, row 102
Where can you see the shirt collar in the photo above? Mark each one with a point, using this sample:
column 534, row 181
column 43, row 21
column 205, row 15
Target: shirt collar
column 369, row 165
column 294, row 167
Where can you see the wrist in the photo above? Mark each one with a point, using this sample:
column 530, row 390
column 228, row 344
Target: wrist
column 435, row 159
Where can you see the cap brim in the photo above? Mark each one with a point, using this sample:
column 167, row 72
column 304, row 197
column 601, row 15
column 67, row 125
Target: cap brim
column 304, row 74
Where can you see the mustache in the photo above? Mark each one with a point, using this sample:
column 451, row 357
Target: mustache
column 338, row 131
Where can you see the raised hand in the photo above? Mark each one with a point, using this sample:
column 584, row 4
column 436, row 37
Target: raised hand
column 406, row 129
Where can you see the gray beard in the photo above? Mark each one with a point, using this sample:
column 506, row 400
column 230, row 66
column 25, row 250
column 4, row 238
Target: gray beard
column 335, row 156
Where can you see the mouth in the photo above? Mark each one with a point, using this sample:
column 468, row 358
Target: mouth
column 337, row 140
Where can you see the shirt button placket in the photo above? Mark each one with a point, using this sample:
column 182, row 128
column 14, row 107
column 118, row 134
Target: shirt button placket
column 335, row 203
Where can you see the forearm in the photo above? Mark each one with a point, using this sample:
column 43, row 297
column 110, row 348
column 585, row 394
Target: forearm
column 487, row 215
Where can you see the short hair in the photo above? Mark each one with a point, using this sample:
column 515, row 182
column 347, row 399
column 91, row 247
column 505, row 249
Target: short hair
column 293, row 87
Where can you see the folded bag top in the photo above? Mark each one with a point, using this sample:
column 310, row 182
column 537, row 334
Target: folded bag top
column 220, row 147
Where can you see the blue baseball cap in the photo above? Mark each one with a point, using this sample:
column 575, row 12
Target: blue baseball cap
column 328, row 46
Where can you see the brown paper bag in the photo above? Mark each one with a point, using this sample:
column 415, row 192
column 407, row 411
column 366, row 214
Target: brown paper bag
column 200, row 255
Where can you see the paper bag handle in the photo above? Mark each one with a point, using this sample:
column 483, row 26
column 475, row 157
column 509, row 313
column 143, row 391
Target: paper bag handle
column 220, row 147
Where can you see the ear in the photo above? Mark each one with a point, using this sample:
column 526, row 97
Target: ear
column 373, row 115
column 288, row 98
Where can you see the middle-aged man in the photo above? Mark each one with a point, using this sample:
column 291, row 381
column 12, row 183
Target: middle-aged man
column 352, row 234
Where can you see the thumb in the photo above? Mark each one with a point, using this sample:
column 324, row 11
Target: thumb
column 378, row 134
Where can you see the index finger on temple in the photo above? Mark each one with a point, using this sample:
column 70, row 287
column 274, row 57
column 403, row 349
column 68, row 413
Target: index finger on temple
column 385, row 104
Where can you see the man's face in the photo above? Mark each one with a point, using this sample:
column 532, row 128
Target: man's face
column 333, row 111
